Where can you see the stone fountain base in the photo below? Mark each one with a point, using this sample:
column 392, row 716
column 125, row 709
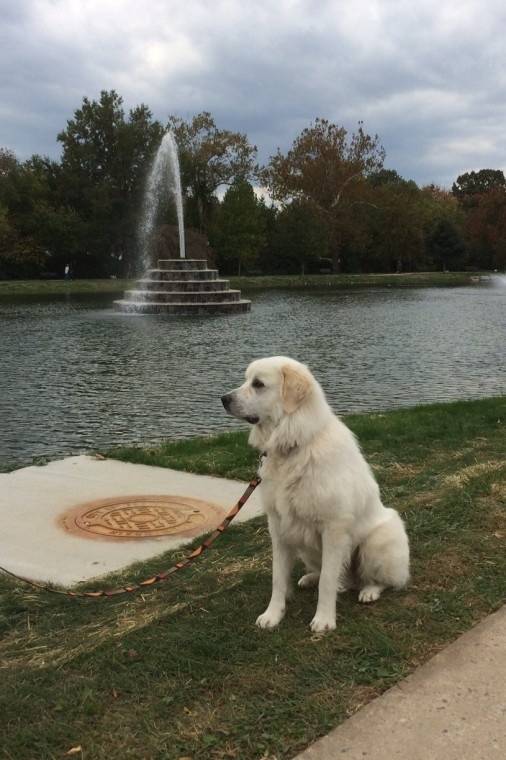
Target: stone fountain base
column 183, row 286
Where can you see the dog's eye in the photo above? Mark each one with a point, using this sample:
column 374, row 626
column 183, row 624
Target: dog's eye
column 257, row 383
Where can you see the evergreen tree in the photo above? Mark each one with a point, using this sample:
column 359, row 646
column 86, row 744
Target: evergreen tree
column 299, row 239
column 445, row 246
column 238, row 231
column 104, row 162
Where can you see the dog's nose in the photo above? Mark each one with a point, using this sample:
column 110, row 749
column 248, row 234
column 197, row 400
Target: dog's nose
column 226, row 400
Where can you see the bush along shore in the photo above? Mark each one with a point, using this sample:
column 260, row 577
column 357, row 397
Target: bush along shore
column 181, row 671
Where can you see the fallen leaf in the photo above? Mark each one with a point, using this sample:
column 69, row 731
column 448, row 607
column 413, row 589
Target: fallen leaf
column 74, row 750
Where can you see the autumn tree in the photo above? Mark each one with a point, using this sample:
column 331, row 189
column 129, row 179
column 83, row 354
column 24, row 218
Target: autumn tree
column 325, row 168
column 486, row 230
column 482, row 197
column 321, row 165
column 210, row 158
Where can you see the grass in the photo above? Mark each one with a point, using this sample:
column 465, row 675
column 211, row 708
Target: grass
column 182, row 672
column 339, row 281
column 56, row 287
column 352, row 281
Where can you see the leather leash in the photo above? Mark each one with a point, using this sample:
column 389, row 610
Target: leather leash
column 154, row 579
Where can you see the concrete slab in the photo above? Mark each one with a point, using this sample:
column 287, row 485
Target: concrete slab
column 34, row 545
column 452, row 708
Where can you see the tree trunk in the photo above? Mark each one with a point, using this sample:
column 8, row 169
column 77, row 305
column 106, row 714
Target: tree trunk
column 336, row 262
column 200, row 211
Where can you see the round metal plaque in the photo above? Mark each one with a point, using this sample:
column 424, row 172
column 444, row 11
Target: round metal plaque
column 137, row 517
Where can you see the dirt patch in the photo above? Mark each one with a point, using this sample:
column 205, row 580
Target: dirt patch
column 462, row 478
column 396, row 471
column 239, row 566
column 444, row 567
column 494, row 512
column 410, row 601
column 424, row 498
column 498, row 491
column 88, row 637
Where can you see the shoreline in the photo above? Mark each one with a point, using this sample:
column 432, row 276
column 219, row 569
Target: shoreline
column 295, row 282
column 228, row 454
column 202, row 454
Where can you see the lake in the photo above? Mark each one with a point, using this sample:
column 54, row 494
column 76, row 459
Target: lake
column 76, row 376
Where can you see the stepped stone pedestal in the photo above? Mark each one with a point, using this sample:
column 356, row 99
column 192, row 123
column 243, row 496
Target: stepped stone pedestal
column 183, row 286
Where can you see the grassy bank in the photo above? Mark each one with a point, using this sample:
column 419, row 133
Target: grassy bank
column 182, row 672
column 338, row 281
column 351, row 281
column 57, row 287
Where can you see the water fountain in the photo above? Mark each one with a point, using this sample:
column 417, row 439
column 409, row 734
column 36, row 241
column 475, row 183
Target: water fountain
column 180, row 285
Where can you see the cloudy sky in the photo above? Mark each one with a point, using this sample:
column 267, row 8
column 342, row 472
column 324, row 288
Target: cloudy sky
column 428, row 76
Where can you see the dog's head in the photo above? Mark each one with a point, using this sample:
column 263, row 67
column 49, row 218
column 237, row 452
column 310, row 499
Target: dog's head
column 276, row 396
column 273, row 387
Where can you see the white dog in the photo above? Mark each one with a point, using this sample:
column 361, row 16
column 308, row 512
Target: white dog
column 320, row 496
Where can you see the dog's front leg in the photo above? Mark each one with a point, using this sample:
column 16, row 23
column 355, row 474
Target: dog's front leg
column 282, row 563
column 336, row 547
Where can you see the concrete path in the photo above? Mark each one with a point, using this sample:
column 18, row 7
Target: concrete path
column 452, row 708
column 33, row 543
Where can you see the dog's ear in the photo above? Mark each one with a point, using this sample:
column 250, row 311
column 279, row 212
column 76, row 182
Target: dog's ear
column 296, row 387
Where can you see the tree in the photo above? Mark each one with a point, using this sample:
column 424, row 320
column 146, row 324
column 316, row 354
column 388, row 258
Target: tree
column 267, row 259
column 445, row 245
column 395, row 225
column 486, row 230
column 482, row 197
column 19, row 256
column 8, row 162
column 22, row 252
column 472, row 184
column 385, row 177
column 325, row 169
column 104, row 162
column 238, row 231
column 321, row 164
column 299, row 239
column 209, row 158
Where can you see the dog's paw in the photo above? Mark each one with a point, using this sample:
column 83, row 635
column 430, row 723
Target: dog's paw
column 369, row 594
column 270, row 618
column 310, row 580
column 322, row 623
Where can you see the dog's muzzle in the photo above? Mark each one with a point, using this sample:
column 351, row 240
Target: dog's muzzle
column 227, row 401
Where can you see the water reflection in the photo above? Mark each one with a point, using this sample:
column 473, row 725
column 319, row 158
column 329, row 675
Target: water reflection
column 75, row 375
